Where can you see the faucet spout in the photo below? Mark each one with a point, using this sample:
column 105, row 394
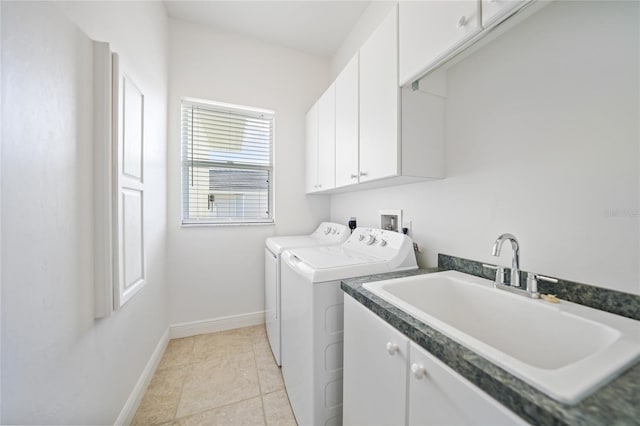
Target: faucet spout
column 515, row 259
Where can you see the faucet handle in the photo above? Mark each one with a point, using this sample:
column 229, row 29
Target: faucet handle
column 499, row 272
column 499, row 275
column 532, row 283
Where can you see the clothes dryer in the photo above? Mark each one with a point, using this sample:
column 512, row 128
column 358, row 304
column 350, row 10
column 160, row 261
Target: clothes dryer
column 326, row 234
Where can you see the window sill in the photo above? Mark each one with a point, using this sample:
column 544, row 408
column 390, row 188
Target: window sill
column 218, row 224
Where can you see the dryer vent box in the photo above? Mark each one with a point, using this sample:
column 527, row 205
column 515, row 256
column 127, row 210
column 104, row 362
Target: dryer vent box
column 391, row 220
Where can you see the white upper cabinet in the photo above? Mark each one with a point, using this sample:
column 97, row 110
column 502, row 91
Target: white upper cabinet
column 327, row 139
column 431, row 30
column 493, row 11
column 320, row 143
column 311, row 147
column 379, row 102
column 362, row 140
column 347, row 123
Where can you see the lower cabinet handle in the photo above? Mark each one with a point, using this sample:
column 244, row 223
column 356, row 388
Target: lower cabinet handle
column 354, row 176
column 418, row 371
column 363, row 173
column 392, row 348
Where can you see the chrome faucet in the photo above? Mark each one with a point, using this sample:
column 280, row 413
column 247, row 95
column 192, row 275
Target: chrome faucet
column 515, row 259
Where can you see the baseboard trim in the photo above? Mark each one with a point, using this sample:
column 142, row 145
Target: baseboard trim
column 187, row 329
column 133, row 402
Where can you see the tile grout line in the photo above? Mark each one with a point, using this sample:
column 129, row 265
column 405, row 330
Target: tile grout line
column 255, row 362
column 184, row 380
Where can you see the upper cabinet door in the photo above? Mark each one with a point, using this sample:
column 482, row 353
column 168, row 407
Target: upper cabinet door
column 430, row 30
column 311, row 146
column 347, row 124
column 327, row 139
column 494, row 11
column 379, row 102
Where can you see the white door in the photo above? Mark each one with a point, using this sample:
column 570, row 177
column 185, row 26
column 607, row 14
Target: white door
column 375, row 365
column 347, row 121
column 327, row 139
column 440, row 396
column 128, row 202
column 311, row 149
column 379, row 102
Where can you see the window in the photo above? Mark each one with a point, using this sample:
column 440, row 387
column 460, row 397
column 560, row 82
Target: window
column 227, row 164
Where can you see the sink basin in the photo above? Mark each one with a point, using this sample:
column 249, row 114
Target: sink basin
column 565, row 350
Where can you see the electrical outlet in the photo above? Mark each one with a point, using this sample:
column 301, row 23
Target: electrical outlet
column 407, row 224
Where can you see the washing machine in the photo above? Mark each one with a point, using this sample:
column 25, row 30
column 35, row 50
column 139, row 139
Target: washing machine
column 325, row 235
column 312, row 315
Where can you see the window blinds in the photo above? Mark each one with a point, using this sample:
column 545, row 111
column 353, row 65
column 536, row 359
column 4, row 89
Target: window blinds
column 226, row 163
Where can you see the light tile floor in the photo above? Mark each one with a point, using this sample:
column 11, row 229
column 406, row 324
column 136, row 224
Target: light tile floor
column 225, row 378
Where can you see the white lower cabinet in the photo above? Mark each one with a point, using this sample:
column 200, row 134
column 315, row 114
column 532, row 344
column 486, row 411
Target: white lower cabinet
column 440, row 396
column 375, row 369
column 389, row 380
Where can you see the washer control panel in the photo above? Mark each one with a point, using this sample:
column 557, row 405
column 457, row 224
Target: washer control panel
column 329, row 231
column 377, row 242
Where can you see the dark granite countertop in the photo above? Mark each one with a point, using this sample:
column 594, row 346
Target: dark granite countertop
column 617, row 403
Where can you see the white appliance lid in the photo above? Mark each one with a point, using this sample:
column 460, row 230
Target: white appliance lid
column 332, row 257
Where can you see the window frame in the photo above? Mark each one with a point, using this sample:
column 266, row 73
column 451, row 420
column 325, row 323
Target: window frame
column 184, row 166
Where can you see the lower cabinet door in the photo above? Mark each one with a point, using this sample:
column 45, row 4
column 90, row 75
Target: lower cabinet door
column 440, row 396
column 375, row 368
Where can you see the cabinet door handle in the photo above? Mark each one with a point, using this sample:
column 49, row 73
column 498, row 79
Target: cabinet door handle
column 392, row 348
column 418, row 371
column 354, row 176
column 462, row 22
column 363, row 173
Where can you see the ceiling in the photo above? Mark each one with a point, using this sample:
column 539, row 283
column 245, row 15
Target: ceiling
column 316, row 27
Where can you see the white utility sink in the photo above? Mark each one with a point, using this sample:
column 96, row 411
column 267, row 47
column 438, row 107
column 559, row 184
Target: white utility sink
column 566, row 350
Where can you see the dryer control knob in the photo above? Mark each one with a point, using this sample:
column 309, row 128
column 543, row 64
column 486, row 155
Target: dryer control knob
column 361, row 237
column 383, row 243
column 333, row 231
column 370, row 240
column 327, row 230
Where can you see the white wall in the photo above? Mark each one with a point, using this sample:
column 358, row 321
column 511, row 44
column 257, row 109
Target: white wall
column 542, row 141
column 59, row 365
column 219, row 271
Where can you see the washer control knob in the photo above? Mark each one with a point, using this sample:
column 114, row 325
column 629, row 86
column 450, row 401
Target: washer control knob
column 361, row 237
column 383, row 243
column 370, row 240
column 327, row 230
column 333, row 231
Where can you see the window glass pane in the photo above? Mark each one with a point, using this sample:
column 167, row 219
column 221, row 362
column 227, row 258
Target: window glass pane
column 227, row 165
